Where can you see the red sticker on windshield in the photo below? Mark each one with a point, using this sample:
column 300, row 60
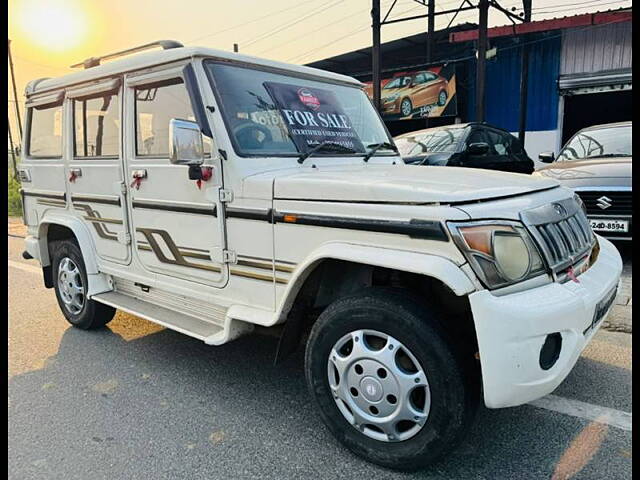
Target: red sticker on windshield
column 308, row 98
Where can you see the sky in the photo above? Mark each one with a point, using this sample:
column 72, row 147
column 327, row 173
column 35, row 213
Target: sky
column 49, row 35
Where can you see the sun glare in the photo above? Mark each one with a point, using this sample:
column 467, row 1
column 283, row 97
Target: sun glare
column 54, row 25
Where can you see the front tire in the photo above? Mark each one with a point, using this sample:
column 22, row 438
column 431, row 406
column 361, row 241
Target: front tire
column 406, row 107
column 70, row 284
column 386, row 380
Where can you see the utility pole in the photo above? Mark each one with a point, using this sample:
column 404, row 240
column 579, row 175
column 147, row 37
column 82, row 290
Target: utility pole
column 13, row 153
column 524, row 76
column 15, row 91
column 375, row 60
column 483, row 7
column 431, row 29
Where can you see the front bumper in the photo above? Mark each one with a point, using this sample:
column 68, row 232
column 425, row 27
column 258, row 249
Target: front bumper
column 512, row 329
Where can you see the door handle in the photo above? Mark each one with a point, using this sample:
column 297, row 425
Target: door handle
column 138, row 176
column 74, row 173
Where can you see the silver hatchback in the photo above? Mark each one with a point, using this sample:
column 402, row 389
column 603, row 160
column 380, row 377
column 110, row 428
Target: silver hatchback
column 596, row 163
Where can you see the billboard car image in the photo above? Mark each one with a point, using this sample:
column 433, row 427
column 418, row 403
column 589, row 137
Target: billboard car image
column 416, row 94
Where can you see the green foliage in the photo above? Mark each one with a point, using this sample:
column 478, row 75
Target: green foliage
column 15, row 202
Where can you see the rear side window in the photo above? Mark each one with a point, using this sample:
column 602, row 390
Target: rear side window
column 156, row 105
column 96, row 126
column 45, row 131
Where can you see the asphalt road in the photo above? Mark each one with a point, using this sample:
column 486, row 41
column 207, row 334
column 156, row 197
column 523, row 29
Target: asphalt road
column 136, row 401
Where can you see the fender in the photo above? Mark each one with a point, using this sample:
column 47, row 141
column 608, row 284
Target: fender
column 81, row 233
column 97, row 282
column 426, row 264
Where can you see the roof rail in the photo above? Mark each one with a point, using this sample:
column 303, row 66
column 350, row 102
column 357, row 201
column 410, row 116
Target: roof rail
column 95, row 61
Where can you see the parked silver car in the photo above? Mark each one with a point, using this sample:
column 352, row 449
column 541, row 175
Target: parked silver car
column 596, row 163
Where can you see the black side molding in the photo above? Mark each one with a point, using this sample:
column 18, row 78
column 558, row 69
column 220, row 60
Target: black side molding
column 425, row 229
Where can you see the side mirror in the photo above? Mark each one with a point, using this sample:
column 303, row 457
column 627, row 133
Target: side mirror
column 185, row 143
column 547, row 157
column 479, row 148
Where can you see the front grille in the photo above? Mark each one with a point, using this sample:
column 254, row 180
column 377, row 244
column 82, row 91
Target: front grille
column 562, row 232
column 594, row 200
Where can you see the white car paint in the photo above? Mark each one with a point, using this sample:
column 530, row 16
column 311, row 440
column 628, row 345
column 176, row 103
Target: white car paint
column 509, row 326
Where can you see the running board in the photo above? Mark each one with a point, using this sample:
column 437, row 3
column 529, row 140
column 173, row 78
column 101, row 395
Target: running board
column 179, row 322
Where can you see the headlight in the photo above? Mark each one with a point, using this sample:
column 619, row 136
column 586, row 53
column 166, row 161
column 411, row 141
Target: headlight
column 500, row 253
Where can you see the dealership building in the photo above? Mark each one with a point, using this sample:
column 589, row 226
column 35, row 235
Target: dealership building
column 579, row 75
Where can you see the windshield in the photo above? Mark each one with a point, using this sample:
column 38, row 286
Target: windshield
column 598, row 143
column 441, row 140
column 274, row 114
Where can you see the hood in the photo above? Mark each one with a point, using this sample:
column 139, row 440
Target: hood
column 595, row 172
column 401, row 184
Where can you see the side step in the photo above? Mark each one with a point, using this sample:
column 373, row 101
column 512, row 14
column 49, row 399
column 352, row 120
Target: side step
column 186, row 324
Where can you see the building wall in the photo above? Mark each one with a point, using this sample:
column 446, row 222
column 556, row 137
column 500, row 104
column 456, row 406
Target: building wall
column 502, row 98
column 597, row 48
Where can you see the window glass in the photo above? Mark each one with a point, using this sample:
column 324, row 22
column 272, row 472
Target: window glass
column 96, row 126
column 440, row 140
column 477, row 136
column 499, row 142
column 156, row 105
column 254, row 121
column 45, row 135
column 602, row 142
column 421, row 78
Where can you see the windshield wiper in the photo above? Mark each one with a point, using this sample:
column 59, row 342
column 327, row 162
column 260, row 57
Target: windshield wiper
column 377, row 146
column 326, row 145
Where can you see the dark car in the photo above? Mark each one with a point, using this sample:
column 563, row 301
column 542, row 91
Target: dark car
column 475, row 145
column 596, row 164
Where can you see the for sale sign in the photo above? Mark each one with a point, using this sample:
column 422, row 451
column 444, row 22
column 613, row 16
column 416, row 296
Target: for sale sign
column 313, row 115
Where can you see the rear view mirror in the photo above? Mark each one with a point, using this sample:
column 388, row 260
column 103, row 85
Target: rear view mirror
column 547, row 157
column 185, row 143
column 479, row 148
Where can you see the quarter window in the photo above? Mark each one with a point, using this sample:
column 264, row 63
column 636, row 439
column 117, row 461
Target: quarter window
column 96, row 126
column 45, row 131
column 156, row 105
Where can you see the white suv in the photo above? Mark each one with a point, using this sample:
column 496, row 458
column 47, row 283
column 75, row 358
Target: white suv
column 210, row 192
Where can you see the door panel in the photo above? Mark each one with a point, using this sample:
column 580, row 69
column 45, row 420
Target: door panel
column 176, row 227
column 94, row 170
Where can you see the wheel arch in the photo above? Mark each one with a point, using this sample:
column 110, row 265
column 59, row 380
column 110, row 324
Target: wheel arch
column 60, row 227
column 346, row 268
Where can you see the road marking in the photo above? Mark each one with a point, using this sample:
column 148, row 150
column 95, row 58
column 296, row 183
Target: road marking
column 576, row 408
column 25, row 267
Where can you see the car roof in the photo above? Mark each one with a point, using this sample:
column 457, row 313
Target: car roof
column 607, row 125
column 452, row 126
column 146, row 60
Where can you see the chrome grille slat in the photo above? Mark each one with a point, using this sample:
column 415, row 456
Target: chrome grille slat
column 562, row 231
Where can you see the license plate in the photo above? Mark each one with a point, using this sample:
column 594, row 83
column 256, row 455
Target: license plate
column 609, row 225
column 602, row 308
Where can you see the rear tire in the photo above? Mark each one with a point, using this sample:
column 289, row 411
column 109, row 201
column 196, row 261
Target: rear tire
column 442, row 98
column 450, row 398
column 70, row 284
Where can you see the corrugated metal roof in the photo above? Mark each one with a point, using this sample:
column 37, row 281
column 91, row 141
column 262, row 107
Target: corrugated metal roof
column 600, row 48
column 585, row 19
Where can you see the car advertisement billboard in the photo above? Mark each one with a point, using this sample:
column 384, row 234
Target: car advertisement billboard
column 429, row 92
